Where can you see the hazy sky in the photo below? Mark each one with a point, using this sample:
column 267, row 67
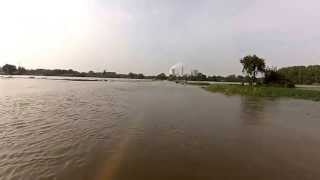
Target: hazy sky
column 151, row 35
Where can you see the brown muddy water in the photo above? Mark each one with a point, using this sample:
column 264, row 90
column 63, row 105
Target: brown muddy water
column 152, row 130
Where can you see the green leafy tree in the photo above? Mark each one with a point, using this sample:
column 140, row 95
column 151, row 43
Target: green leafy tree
column 252, row 66
column 274, row 78
column 302, row 74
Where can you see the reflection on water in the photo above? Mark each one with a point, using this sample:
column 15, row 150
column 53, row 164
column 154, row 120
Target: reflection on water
column 252, row 111
column 152, row 130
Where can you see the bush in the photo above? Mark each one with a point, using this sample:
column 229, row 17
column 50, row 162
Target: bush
column 274, row 78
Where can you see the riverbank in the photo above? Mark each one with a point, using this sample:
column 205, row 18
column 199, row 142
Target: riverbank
column 262, row 91
column 200, row 83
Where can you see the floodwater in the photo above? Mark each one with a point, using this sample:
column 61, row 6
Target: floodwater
column 124, row 130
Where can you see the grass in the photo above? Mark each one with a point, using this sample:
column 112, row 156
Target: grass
column 265, row 91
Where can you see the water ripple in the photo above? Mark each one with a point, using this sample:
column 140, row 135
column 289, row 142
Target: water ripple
column 45, row 130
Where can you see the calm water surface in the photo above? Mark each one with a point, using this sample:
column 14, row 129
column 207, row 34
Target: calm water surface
column 152, row 130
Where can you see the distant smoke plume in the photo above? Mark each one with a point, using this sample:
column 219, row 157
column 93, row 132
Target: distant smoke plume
column 177, row 69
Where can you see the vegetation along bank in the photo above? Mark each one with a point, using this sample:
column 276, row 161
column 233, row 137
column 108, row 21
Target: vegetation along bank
column 265, row 91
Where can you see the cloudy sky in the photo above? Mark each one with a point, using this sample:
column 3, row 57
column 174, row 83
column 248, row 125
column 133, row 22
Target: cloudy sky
column 150, row 36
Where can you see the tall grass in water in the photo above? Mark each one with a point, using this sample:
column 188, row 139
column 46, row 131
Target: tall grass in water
column 265, row 91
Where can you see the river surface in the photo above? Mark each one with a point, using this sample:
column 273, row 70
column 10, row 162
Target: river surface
column 127, row 130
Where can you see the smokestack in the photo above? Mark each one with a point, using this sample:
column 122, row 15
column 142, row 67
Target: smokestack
column 177, row 69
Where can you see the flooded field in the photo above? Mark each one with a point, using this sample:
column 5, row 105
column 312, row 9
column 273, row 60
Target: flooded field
column 127, row 130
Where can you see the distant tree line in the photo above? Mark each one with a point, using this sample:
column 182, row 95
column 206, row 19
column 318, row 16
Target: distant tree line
column 9, row 69
column 252, row 66
column 287, row 76
column 257, row 72
column 302, row 74
column 201, row 77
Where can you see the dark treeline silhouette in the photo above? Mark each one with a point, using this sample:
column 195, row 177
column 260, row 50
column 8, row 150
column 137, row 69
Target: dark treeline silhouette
column 302, row 74
column 287, row 76
column 9, row 69
column 201, row 77
column 252, row 65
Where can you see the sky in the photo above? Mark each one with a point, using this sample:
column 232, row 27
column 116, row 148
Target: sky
column 151, row 36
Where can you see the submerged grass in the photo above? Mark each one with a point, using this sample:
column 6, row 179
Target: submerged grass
column 265, row 91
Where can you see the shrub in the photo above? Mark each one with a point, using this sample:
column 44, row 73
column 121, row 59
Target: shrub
column 274, row 78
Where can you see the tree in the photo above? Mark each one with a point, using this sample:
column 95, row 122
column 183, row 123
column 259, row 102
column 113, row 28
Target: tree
column 231, row 78
column 9, row 69
column 172, row 77
column 91, row 74
column 21, row 70
column 201, row 77
column 132, row 75
column 252, row 66
column 161, row 76
column 140, row 76
column 136, row 76
column 302, row 74
column 274, row 78
column 197, row 76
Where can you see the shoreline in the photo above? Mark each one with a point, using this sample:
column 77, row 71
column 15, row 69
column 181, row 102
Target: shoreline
column 265, row 91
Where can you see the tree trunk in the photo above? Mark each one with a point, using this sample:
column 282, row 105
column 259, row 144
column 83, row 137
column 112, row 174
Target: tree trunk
column 251, row 81
column 254, row 79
